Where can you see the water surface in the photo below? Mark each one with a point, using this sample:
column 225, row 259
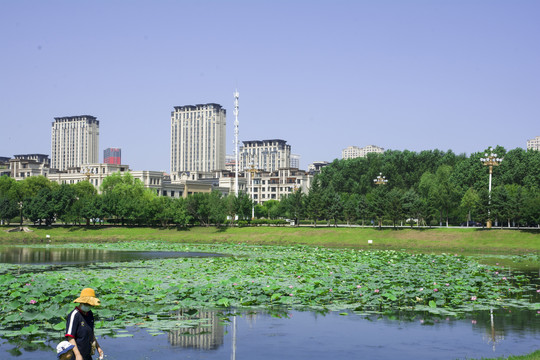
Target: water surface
column 312, row 336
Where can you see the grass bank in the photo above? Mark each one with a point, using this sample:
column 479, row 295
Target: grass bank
column 533, row 356
column 460, row 240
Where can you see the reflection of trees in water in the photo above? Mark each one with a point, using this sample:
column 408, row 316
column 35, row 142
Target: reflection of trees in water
column 207, row 336
column 27, row 255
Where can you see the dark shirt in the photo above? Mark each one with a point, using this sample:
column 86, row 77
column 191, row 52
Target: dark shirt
column 80, row 326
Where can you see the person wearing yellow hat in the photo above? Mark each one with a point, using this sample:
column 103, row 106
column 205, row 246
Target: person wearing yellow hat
column 80, row 326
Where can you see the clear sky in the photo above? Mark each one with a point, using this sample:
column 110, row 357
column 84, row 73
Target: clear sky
column 322, row 75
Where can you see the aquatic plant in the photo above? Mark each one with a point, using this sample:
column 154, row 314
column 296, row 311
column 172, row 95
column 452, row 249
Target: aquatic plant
column 34, row 299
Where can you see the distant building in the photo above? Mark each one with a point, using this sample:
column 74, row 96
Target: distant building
column 267, row 155
column 534, row 144
column 4, row 166
column 40, row 158
column 316, row 166
column 352, row 152
column 74, row 141
column 112, row 156
column 295, row 161
column 274, row 185
column 198, row 138
column 21, row 168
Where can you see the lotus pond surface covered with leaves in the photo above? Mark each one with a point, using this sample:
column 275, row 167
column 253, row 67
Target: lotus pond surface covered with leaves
column 34, row 299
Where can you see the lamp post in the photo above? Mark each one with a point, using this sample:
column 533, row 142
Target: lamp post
column 380, row 180
column 490, row 159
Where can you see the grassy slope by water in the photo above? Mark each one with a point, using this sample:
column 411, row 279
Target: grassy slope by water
column 461, row 240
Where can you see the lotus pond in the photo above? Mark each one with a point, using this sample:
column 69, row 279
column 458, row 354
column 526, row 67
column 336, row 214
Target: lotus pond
column 153, row 299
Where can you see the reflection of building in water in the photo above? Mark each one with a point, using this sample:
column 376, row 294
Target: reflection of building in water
column 207, row 336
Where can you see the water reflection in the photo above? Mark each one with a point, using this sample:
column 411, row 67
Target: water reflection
column 265, row 335
column 208, row 336
column 71, row 256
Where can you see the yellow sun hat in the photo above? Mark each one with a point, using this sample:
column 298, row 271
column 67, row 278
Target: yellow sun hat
column 88, row 296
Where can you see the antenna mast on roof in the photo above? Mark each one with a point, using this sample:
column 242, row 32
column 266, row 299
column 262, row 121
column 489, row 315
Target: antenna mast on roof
column 236, row 96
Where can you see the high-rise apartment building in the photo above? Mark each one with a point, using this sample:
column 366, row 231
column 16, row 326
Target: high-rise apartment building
column 112, row 156
column 198, row 141
column 267, row 155
column 352, row 152
column 74, row 141
column 534, row 144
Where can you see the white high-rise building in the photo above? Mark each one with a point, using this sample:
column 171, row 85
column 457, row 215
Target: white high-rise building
column 352, row 152
column 534, row 144
column 74, row 141
column 267, row 155
column 198, row 138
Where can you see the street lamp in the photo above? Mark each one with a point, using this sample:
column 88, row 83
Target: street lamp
column 490, row 160
column 380, row 180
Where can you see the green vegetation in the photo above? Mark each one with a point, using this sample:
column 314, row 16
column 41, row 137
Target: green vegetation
column 33, row 300
column 460, row 240
column 423, row 189
column 532, row 356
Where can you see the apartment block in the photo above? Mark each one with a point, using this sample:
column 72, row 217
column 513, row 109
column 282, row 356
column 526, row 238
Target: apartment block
column 264, row 186
column 267, row 155
column 112, row 156
column 534, row 144
column 74, row 141
column 352, row 152
column 198, row 138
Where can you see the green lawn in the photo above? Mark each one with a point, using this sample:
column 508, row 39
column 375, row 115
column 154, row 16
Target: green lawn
column 436, row 240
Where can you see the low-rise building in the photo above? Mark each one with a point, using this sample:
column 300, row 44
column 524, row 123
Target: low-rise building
column 263, row 186
column 534, row 144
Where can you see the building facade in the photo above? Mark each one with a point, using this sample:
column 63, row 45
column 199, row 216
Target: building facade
column 112, row 156
column 198, row 138
column 263, row 186
column 74, row 141
column 534, row 144
column 352, row 152
column 295, row 161
column 266, row 155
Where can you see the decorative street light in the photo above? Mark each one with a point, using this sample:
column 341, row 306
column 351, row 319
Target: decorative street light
column 490, row 160
column 380, row 180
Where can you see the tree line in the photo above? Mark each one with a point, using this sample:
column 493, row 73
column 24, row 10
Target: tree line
column 427, row 188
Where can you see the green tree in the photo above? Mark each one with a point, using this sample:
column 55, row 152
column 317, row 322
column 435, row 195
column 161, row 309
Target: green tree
column 394, row 205
column 470, row 202
column 293, row 205
column 314, row 201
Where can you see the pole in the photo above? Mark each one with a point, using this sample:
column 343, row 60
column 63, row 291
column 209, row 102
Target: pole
column 236, row 96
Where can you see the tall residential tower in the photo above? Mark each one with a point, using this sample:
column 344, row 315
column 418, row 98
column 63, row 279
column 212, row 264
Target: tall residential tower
column 74, row 141
column 198, row 140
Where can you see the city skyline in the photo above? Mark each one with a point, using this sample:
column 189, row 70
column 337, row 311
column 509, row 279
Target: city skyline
column 414, row 75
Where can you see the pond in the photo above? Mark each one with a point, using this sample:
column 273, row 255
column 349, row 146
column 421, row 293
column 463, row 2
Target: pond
column 142, row 292
column 78, row 256
column 309, row 335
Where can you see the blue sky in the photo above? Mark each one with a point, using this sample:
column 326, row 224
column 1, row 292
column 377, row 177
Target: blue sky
column 322, row 75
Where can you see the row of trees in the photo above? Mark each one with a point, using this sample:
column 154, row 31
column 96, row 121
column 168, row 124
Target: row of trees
column 430, row 187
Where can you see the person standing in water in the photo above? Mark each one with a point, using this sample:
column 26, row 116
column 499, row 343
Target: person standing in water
column 80, row 326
